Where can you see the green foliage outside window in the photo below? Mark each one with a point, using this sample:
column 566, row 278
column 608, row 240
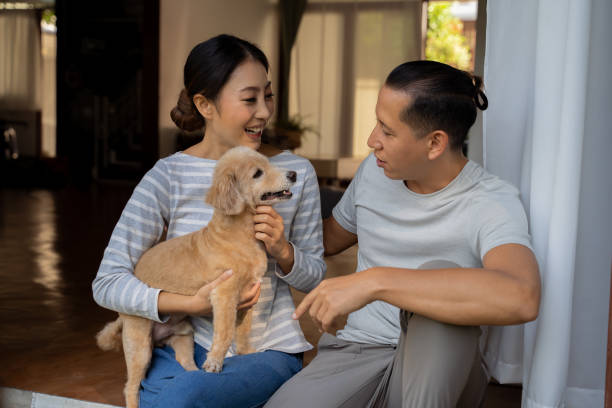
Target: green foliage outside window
column 48, row 16
column 445, row 40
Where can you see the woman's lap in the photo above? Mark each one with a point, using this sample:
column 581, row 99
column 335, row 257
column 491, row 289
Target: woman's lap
column 245, row 381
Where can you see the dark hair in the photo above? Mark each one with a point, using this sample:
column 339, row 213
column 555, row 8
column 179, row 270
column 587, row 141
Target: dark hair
column 443, row 98
column 207, row 69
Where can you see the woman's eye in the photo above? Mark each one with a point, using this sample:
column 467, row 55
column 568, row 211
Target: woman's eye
column 258, row 173
column 251, row 100
column 269, row 96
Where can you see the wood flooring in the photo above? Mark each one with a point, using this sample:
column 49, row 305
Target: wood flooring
column 51, row 244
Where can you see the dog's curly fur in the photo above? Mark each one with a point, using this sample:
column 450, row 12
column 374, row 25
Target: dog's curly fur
column 242, row 180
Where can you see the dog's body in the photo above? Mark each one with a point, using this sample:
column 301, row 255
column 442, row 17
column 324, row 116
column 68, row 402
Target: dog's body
column 242, row 180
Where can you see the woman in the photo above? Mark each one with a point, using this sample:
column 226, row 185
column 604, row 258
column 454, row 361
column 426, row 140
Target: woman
column 227, row 92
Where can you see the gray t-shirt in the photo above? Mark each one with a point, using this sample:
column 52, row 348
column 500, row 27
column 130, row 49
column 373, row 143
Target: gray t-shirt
column 396, row 227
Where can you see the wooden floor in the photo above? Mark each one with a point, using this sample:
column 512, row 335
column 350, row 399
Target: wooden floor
column 51, row 243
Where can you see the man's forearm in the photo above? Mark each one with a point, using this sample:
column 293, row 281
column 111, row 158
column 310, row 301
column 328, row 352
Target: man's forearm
column 457, row 296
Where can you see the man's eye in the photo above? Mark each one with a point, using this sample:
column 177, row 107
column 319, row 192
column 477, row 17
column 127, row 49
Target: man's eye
column 258, row 173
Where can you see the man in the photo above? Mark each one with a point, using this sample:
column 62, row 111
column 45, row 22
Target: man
column 443, row 249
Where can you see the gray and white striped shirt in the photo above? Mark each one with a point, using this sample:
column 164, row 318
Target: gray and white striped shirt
column 172, row 193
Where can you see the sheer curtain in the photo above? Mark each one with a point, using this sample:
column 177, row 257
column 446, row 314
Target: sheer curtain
column 20, row 65
column 343, row 52
column 547, row 130
column 48, row 92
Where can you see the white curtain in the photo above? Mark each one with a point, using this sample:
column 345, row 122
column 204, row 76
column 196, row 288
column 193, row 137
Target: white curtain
column 48, row 92
column 19, row 60
column 547, row 75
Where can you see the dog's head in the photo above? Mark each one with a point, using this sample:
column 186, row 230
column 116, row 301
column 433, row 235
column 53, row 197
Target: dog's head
column 244, row 179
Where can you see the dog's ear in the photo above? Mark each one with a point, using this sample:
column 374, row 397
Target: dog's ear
column 224, row 194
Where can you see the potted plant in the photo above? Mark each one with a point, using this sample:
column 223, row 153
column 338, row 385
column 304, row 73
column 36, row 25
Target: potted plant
column 287, row 133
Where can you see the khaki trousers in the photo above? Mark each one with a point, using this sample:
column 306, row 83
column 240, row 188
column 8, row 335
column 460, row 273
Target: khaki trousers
column 435, row 365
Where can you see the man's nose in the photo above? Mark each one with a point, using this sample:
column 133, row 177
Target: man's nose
column 372, row 140
column 292, row 176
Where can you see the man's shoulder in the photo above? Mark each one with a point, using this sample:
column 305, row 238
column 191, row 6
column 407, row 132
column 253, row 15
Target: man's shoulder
column 486, row 186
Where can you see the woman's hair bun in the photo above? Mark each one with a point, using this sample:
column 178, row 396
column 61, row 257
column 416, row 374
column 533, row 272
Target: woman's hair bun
column 185, row 115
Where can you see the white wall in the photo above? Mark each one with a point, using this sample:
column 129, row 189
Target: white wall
column 185, row 23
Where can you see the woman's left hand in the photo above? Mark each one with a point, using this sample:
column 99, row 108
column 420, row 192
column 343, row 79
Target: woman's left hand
column 270, row 230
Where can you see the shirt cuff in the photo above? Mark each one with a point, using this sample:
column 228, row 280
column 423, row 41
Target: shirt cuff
column 293, row 275
column 156, row 316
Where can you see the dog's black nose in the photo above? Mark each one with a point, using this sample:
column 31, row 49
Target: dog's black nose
column 292, row 176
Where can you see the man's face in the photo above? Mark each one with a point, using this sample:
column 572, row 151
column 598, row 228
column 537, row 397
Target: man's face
column 398, row 151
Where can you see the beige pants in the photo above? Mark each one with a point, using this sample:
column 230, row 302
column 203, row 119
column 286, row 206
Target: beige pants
column 435, row 365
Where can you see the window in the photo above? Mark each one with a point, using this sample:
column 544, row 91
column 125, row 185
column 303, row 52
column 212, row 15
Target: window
column 345, row 49
column 342, row 54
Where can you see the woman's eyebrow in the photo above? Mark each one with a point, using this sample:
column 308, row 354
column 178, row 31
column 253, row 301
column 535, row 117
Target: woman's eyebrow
column 254, row 88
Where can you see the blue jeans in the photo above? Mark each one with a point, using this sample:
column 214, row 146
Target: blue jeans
column 246, row 381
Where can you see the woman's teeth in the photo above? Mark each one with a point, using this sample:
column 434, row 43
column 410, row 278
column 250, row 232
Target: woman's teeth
column 253, row 131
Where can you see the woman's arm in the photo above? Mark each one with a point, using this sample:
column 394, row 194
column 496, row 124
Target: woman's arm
column 140, row 226
column 305, row 244
column 199, row 304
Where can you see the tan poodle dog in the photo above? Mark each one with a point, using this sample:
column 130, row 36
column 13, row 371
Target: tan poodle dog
column 243, row 179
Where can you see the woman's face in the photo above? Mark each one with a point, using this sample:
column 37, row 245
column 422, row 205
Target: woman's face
column 243, row 107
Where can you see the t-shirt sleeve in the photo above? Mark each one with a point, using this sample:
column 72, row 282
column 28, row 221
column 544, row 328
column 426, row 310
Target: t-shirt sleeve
column 501, row 221
column 345, row 211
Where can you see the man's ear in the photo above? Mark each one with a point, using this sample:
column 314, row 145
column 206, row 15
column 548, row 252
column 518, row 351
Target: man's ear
column 437, row 143
column 204, row 105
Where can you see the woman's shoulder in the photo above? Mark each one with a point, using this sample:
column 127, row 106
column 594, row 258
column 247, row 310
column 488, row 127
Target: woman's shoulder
column 287, row 159
column 182, row 161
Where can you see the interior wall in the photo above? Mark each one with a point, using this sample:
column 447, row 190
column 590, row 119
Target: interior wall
column 185, row 23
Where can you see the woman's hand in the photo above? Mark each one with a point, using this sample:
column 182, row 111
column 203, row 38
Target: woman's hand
column 270, row 230
column 250, row 296
column 199, row 304
column 201, row 300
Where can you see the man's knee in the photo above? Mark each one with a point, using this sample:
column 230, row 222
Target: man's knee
column 437, row 357
column 294, row 393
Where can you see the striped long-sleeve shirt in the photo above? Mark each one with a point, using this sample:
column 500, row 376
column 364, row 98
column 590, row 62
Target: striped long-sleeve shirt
column 172, row 194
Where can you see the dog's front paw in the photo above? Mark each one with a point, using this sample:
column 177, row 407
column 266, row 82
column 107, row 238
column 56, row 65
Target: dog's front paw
column 212, row 366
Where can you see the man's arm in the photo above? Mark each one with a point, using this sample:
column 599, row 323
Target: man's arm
column 335, row 238
column 505, row 291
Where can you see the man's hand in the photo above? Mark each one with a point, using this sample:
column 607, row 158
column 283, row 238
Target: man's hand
column 330, row 302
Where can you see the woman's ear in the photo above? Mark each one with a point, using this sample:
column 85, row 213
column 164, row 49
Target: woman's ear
column 437, row 143
column 204, row 105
